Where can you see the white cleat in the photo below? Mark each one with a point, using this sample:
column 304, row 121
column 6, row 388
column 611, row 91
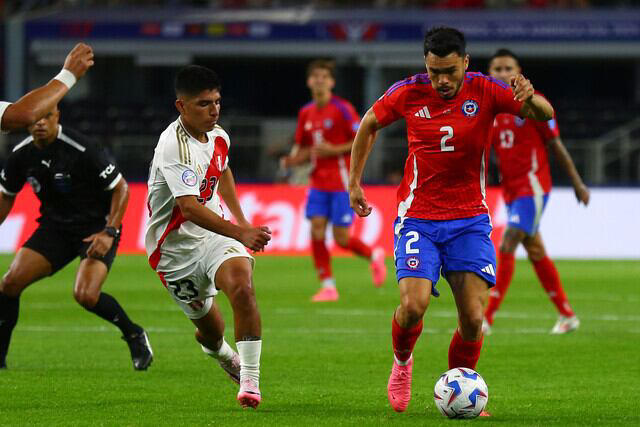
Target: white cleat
column 565, row 324
column 232, row 367
column 486, row 327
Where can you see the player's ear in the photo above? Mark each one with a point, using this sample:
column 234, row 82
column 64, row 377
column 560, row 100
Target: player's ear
column 179, row 106
column 466, row 62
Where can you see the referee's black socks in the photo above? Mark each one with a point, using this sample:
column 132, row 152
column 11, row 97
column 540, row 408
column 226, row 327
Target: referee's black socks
column 9, row 308
column 108, row 308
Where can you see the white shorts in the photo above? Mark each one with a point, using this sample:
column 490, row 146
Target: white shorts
column 193, row 287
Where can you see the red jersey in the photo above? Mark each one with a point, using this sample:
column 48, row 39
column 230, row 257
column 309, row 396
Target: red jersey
column 335, row 123
column 522, row 155
column 445, row 171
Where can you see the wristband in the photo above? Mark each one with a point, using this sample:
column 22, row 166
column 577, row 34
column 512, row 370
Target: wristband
column 66, row 77
column 112, row 232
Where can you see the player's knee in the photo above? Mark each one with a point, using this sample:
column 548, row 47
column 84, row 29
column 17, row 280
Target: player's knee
column 84, row 297
column 241, row 289
column 535, row 253
column 12, row 284
column 413, row 308
column 471, row 323
column 341, row 240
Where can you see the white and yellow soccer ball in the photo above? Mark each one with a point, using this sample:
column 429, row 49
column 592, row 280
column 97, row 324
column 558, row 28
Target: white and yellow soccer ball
column 461, row 393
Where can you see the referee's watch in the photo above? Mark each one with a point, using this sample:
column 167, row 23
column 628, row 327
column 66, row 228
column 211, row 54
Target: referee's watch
column 112, row 232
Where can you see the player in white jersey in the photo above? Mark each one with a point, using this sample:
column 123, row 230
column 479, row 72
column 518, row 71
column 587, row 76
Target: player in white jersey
column 190, row 244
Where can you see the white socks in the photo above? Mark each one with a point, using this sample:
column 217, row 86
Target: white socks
column 329, row 283
column 225, row 352
column 249, row 352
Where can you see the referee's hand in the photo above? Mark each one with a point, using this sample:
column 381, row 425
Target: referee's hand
column 100, row 244
column 79, row 60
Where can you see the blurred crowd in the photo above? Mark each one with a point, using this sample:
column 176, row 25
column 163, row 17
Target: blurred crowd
column 12, row 6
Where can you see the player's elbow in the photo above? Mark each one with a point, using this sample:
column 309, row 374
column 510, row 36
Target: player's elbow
column 187, row 206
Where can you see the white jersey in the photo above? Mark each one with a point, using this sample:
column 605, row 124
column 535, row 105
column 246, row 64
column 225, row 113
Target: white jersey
column 182, row 166
column 3, row 107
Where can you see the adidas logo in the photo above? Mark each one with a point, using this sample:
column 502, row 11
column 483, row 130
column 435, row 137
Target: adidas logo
column 423, row 112
column 489, row 270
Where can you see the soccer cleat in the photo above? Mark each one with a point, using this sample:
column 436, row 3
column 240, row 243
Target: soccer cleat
column 249, row 394
column 232, row 367
column 486, row 327
column 326, row 294
column 140, row 348
column 378, row 267
column 565, row 324
column 484, row 414
column 399, row 386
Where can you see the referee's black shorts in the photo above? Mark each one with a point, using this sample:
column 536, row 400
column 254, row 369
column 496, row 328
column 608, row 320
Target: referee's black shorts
column 60, row 247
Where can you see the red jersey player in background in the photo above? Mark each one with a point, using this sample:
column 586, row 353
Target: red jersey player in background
column 521, row 146
column 443, row 223
column 326, row 127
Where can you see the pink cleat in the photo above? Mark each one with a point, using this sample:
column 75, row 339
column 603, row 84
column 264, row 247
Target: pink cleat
column 326, row 294
column 249, row 394
column 378, row 267
column 399, row 386
column 484, row 414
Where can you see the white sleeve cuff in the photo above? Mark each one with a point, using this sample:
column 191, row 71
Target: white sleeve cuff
column 3, row 107
column 115, row 182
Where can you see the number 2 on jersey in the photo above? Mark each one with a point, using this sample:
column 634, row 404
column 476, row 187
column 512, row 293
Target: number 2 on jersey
column 445, row 138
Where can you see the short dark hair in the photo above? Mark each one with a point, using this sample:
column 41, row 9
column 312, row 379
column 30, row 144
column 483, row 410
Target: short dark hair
column 324, row 64
column 193, row 79
column 504, row 52
column 442, row 41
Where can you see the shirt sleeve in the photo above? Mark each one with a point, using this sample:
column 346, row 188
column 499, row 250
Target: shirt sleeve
column 303, row 138
column 502, row 95
column 103, row 167
column 3, row 107
column 351, row 120
column 12, row 179
column 390, row 106
column 178, row 170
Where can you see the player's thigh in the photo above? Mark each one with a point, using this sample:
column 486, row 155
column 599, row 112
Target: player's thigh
column 511, row 238
column 90, row 277
column 415, row 294
column 535, row 247
column 211, row 325
column 416, row 255
column 58, row 247
column 341, row 213
column 471, row 293
column 318, row 227
column 318, row 205
column 28, row 266
column 469, row 248
column 234, row 278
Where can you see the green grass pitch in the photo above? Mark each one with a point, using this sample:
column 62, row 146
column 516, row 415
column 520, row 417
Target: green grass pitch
column 323, row 364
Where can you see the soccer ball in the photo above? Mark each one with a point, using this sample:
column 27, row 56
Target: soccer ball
column 461, row 393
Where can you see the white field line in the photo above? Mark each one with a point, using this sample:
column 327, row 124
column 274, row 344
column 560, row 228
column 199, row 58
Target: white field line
column 293, row 331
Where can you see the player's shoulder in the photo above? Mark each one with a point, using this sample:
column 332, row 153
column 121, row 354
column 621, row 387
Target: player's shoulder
column 306, row 108
column 22, row 147
column 76, row 141
column 346, row 109
column 416, row 82
column 477, row 79
column 173, row 143
column 217, row 132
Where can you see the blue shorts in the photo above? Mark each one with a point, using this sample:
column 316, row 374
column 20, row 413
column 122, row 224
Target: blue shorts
column 424, row 248
column 524, row 213
column 333, row 205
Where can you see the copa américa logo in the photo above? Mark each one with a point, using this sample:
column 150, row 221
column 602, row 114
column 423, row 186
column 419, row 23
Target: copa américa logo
column 470, row 108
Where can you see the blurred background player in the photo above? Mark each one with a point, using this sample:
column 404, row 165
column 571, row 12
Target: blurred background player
column 194, row 250
column 79, row 185
column 324, row 136
column 521, row 146
column 40, row 102
column 443, row 224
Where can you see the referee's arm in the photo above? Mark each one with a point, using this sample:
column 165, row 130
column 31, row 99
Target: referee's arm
column 39, row 102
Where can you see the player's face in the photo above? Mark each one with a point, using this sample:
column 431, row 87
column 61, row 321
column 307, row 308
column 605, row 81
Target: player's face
column 320, row 81
column 446, row 72
column 503, row 68
column 200, row 112
column 46, row 129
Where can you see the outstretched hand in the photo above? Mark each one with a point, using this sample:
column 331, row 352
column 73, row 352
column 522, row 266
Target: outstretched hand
column 358, row 201
column 79, row 60
column 522, row 88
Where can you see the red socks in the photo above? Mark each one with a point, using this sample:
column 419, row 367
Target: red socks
column 506, row 266
column 462, row 353
column 321, row 259
column 404, row 339
column 359, row 247
column 548, row 275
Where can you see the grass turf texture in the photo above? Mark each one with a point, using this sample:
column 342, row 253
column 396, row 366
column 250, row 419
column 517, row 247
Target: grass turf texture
column 323, row 364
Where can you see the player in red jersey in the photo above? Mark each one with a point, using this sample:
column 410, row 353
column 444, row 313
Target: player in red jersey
column 443, row 224
column 326, row 127
column 521, row 146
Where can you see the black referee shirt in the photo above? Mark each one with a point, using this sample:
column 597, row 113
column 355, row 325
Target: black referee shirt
column 73, row 178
